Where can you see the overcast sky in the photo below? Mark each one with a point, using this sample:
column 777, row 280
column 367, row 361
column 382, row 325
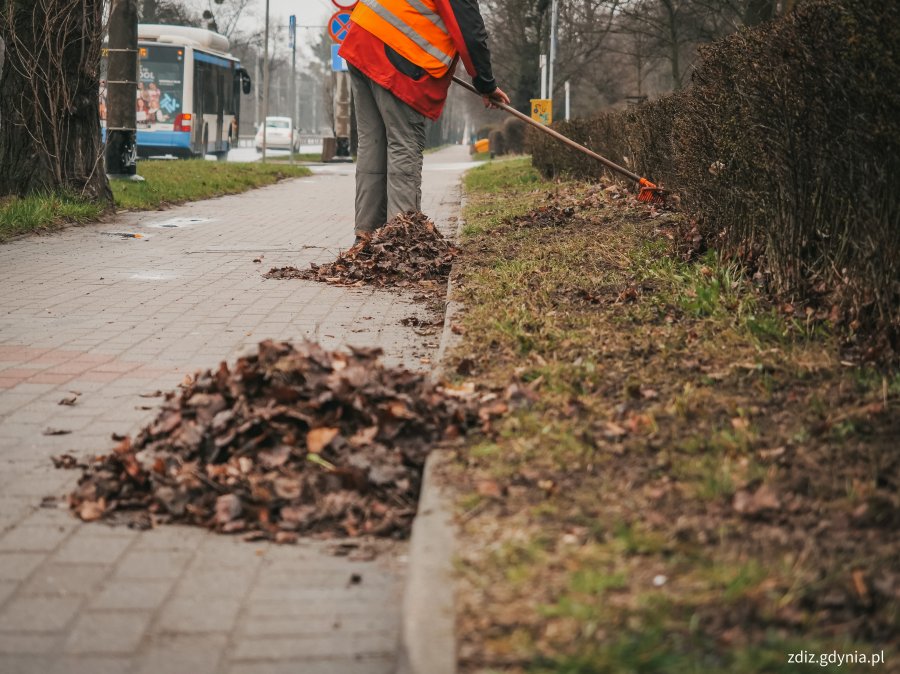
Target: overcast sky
column 308, row 12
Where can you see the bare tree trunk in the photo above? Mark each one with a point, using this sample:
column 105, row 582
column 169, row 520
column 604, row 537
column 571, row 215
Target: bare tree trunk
column 759, row 11
column 49, row 98
column 674, row 43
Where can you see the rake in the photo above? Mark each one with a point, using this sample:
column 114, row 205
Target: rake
column 650, row 193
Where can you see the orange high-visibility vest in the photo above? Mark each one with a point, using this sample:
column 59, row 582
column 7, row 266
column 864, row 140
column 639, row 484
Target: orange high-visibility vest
column 413, row 28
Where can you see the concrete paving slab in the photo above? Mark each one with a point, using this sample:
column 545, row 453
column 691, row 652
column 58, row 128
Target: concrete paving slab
column 115, row 318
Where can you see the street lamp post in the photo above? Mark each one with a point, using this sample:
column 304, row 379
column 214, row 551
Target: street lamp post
column 554, row 19
column 265, row 112
column 293, row 108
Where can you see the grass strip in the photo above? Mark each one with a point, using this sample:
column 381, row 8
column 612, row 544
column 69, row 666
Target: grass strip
column 700, row 485
column 173, row 182
column 43, row 212
column 307, row 157
column 166, row 183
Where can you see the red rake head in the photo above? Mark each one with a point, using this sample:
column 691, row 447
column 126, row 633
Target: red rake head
column 650, row 193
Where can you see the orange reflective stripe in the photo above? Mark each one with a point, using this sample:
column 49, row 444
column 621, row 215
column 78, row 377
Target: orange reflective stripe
column 413, row 28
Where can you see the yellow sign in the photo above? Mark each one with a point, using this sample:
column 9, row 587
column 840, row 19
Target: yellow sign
column 542, row 110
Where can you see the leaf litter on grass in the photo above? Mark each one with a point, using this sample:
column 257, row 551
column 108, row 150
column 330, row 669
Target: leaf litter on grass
column 408, row 251
column 757, row 475
column 293, row 440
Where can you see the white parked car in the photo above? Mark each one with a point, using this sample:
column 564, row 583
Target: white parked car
column 278, row 135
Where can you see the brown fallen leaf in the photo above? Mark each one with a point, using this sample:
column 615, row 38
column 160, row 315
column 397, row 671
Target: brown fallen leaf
column 89, row 511
column 613, row 431
column 66, row 462
column 859, row 584
column 364, row 437
column 228, row 508
column 489, row 488
column 771, row 454
column 740, row 423
column 287, row 488
column 319, row 438
column 272, row 458
column 763, row 499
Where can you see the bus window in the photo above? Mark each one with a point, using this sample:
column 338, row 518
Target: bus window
column 228, row 93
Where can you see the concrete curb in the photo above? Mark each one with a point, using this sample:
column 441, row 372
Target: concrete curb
column 428, row 619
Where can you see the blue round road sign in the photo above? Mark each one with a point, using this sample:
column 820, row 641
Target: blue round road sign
column 338, row 26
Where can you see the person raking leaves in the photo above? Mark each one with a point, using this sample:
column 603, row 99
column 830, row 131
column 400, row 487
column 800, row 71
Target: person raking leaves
column 402, row 55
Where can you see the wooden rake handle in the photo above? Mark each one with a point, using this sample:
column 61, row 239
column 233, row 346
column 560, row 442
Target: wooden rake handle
column 550, row 132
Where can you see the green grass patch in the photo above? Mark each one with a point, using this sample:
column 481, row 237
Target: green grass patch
column 501, row 177
column 174, row 182
column 303, row 157
column 43, row 212
column 165, row 183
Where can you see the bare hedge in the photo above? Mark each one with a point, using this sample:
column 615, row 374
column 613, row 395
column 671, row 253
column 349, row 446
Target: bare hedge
column 498, row 142
column 786, row 146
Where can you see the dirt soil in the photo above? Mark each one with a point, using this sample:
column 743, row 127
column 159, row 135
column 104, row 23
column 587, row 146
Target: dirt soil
column 704, row 484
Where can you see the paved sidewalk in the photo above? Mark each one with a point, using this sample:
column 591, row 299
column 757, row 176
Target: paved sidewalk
column 113, row 318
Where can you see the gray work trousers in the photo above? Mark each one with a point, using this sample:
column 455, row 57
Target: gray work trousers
column 389, row 161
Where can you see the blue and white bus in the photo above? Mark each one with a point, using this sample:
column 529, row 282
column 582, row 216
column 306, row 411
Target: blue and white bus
column 188, row 92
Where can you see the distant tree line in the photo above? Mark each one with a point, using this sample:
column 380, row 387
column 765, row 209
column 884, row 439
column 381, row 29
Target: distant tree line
column 612, row 50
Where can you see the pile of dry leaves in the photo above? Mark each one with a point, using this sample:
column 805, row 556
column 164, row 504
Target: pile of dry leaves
column 407, row 251
column 291, row 440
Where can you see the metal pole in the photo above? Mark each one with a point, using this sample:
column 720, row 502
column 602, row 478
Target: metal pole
column 554, row 19
column 256, row 91
column 121, row 117
column 543, row 76
column 315, row 105
column 568, row 100
column 293, row 106
column 265, row 113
